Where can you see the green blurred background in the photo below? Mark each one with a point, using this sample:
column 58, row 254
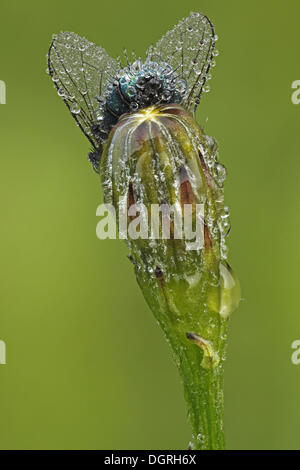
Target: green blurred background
column 87, row 366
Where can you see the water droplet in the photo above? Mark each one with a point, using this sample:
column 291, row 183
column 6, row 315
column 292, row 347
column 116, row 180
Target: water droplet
column 61, row 93
column 130, row 91
column 221, row 173
column 75, row 109
column 230, row 294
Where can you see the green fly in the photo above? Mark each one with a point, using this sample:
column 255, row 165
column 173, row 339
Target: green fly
column 98, row 89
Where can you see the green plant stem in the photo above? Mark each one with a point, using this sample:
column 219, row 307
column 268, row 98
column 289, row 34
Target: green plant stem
column 204, row 395
column 203, row 391
column 202, row 379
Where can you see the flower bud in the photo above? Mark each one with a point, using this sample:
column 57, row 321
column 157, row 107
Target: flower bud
column 160, row 171
column 160, row 167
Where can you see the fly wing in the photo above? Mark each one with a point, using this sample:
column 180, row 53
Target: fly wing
column 189, row 49
column 80, row 70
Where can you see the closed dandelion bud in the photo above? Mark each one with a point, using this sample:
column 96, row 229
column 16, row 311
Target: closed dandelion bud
column 162, row 180
column 161, row 173
column 159, row 160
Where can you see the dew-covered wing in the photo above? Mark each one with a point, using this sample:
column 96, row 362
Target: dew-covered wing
column 189, row 49
column 80, row 70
